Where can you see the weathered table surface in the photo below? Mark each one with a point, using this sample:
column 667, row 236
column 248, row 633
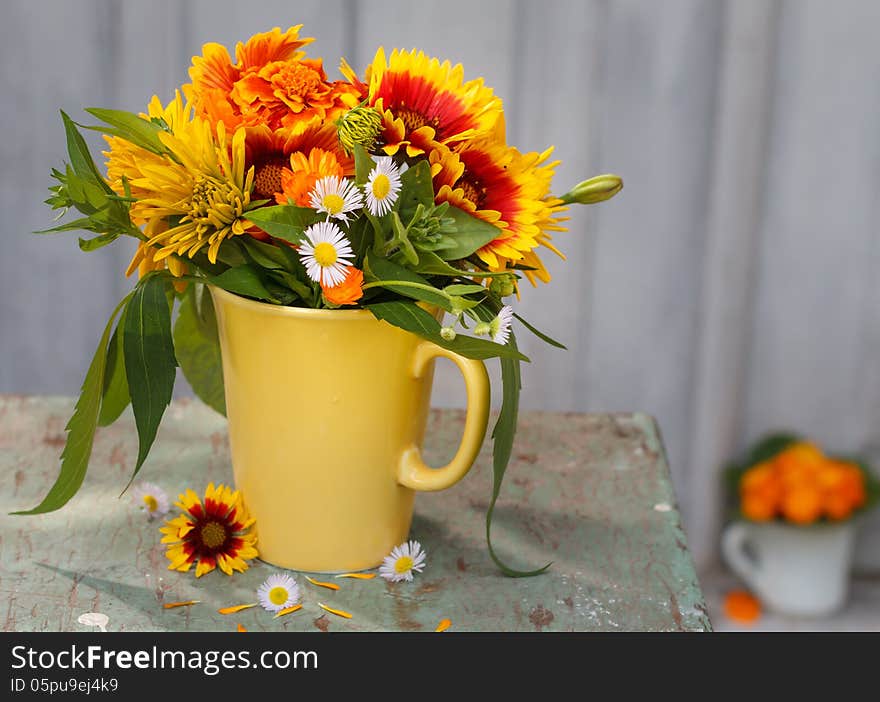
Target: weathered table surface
column 590, row 492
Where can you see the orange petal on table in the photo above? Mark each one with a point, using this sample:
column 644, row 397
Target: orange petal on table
column 337, row 612
column 320, row 583
column 742, row 607
column 444, row 625
column 236, row 608
column 358, row 576
column 287, row 610
column 240, row 628
column 172, row 605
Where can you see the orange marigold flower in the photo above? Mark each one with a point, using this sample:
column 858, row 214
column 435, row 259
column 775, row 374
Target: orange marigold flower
column 298, row 181
column 349, row 291
column 742, row 607
column 802, row 504
column 758, row 507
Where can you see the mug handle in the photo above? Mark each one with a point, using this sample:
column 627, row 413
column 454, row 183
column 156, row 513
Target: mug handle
column 733, row 543
column 412, row 471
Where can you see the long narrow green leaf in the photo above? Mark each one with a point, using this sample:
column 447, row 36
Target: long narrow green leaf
column 541, row 335
column 116, row 396
column 150, row 365
column 197, row 347
column 130, row 127
column 80, row 157
column 381, row 270
column 80, row 428
column 412, row 318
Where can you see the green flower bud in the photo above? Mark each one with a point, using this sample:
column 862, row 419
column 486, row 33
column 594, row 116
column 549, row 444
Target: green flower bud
column 596, row 189
column 360, row 125
column 483, row 329
column 448, row 333
column 503, row 285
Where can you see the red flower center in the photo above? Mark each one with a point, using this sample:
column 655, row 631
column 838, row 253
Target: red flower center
column 213, row 535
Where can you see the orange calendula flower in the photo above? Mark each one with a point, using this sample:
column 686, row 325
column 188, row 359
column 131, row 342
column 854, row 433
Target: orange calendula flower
column 424, row 102
column 742, row 607
column 349, row 291
column 215, row 533
column 298, row 181
column 504, row 187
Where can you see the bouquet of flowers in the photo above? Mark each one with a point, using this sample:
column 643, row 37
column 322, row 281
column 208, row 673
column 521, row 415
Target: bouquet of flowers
column 787, row 478
column 395, row 192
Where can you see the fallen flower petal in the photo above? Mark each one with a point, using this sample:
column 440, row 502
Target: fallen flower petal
column 358, row 576
column 444, row 625
column 329, row 586
column 287, row 610
column 236, row 608
column 240, row 628
column 337, row 612
column 172, row 605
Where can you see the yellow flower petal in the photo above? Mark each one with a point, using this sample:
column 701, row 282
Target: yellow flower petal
column 320, row 583
column 287, row 610
column 358, row 576
column 337, row 612
column 203, row 567
column 443, row 625
column 172, row 605
column 236, row 608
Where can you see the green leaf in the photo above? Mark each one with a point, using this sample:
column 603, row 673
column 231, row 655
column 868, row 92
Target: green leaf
column 431, row 264
column 130, row 127
column 472, row 233
column 197, row 347
column 83, row 223
column 116, row 395
column 150, row 365
column 263, row 254
column 363, row 164
column 380, row 270
column 97, row 242
column 409, row 316
column 80, row 429
column 459, row 289
column 539, row 334
column 287, row 222
column 416, row 188
column 243, row 280
column 80, row 158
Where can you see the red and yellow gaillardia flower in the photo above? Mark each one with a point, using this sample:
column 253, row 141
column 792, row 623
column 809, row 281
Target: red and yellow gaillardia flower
column 504, row 187
column 424, row 102
column 215, row 534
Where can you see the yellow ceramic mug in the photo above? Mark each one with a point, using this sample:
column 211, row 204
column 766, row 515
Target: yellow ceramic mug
column 327, row 412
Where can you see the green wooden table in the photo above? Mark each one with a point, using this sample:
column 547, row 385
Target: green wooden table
column 590, row 492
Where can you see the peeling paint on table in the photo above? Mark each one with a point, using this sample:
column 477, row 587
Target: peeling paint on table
column 589, row 492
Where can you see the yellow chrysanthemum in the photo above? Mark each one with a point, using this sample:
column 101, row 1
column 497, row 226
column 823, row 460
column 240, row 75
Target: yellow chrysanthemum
column 423, row 102
column 203, row 188
column 216, row 533
column 504, row 187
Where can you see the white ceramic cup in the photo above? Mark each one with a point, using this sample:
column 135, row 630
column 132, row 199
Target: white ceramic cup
column 795, row 571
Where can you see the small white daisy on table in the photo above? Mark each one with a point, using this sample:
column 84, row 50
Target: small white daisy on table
column 404, row 560
column 326, row 254
column 383, row 185
column 336, row 197
column 278, row 592
column 150, row 499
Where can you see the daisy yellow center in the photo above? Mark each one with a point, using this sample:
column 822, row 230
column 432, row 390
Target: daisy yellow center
column 325, row 254
column 267, row 178
column 295, row 79
column 381, row 186
column 214, row 203
column 403, row 564
column 151, row 503
column 278, row 595
column 333, row 203
column 213, row 534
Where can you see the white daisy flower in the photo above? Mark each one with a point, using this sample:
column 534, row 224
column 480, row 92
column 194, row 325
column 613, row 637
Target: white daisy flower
column 151, row 499
column 336, row 197
column 499, row 327
column 404, row 559
column 278, row 592
column 383, row 185
column 326, row 253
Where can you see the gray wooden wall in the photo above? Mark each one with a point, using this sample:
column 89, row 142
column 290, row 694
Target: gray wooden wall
column 730, row 289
